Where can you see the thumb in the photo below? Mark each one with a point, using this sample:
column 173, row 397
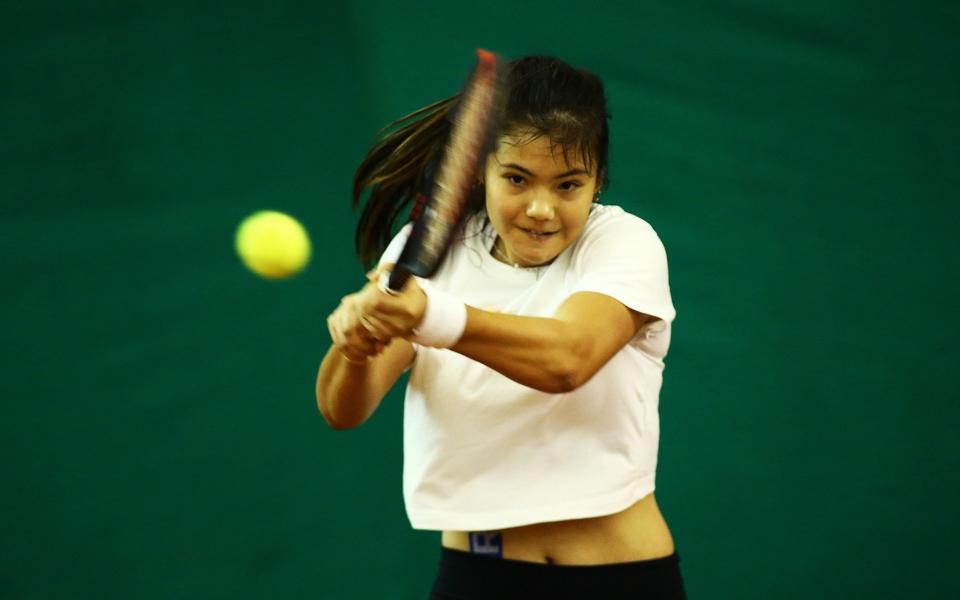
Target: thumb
column 374, row 273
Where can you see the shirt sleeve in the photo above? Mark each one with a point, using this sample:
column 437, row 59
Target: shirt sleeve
column 622, row 257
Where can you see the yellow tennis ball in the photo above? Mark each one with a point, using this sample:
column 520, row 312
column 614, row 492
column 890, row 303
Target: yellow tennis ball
column 272, row 244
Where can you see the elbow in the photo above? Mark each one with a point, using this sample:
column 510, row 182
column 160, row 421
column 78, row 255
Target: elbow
column 566, row 378
column 339, row 427
column 333, row 422
column 569, row 368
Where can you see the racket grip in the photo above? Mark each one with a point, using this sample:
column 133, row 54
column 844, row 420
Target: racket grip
column 395, row 280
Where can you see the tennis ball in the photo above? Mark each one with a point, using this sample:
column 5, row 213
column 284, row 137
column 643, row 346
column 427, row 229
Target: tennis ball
column 272, row 244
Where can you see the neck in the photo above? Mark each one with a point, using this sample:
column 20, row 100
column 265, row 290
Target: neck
column 500, row 253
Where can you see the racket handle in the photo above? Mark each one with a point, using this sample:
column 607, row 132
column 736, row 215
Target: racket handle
column 394, row 282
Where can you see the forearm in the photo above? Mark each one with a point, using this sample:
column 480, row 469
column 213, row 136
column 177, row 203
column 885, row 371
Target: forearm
column 347, row 392
column 554, row 354
column 542, row 353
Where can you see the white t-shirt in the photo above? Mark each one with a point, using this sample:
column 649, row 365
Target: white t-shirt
column 482, row 452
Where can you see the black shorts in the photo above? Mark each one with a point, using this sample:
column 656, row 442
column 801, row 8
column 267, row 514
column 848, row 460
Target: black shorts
column 465, row 576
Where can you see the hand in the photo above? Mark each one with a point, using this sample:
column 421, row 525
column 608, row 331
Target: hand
column 349, row 334
column 387, row 315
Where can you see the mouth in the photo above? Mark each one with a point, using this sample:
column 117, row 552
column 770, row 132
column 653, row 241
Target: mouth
column 537, row 234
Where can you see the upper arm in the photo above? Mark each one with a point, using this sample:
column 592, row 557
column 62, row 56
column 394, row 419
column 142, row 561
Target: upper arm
column 622, row 283
column 623, row 258
column 598, row 327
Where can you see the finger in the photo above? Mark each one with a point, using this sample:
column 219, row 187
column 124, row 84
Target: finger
column 374, row 273
column 343, row 323
column 358, row 330
column 367, row 329
column 358, row 347
column 394, row 325
column 380, row 303
column 353, row 317
column 361, row 326
column 347, row 330
column 380, row 330
column 333, row 327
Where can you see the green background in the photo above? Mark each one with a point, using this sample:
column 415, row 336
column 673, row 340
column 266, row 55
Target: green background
column 160, row 437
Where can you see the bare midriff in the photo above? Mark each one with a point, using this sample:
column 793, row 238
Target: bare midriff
column 637, row 533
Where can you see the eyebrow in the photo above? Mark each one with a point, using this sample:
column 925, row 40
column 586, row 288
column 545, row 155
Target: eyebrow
column 532, row 174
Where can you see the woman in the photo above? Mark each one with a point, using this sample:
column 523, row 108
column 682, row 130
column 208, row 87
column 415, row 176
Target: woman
column 530, row 425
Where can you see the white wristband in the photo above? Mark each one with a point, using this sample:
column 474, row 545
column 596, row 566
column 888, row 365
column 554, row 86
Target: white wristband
column 444, row 318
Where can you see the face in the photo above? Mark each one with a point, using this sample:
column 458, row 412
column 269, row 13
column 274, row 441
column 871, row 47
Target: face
column 537, row 201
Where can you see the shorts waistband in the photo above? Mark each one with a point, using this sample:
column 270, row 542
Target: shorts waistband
column 465, row 576
column 463, row 559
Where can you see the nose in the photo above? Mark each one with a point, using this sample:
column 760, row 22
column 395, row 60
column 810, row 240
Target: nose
column 540, row 208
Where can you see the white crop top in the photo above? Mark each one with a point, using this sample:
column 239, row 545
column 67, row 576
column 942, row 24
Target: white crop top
column 482, row 452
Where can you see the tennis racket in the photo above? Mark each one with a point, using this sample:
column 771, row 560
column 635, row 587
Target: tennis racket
column 438, row 215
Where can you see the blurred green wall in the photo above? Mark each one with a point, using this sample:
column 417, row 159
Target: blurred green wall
column 160, row 437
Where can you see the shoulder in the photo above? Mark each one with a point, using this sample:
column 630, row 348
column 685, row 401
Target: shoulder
column 610, row 226
column 621, row 256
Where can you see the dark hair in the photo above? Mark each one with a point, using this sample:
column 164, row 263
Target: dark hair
column 543, row 96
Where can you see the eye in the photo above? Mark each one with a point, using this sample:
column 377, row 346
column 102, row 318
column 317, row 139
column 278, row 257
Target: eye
column 569, row 186
column 514, row 179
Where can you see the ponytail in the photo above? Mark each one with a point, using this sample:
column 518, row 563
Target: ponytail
column 395, row 170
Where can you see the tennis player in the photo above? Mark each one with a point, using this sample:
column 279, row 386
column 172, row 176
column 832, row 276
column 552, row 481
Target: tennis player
column 536, row 352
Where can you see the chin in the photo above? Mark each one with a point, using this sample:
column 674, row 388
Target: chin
column 538, row 260
column 536, row 254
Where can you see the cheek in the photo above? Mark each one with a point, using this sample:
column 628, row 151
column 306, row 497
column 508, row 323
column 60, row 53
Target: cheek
column 575, row 219
column 499, row 206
